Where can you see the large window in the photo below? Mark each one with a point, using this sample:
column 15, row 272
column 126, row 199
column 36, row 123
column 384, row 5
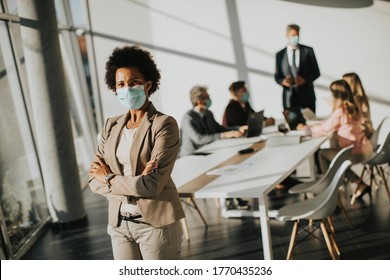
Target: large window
column 78, row 88
column 12, row 7
column 23, row 205
column 22, row 197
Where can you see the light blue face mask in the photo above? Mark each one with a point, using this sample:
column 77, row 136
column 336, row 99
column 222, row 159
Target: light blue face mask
column 294, row 40
column 208, row 103
column 132, row 97
column 245, row 97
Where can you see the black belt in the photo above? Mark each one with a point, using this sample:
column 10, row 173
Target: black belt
column 133, row 219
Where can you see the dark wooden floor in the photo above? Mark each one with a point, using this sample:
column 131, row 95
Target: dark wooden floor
column 232, row 238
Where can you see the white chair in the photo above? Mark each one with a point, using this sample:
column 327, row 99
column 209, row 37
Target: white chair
column 315, row 187
column 319, row 208
column 375, row 136
column 375, row 164
column 370, row 170
column 320, row 184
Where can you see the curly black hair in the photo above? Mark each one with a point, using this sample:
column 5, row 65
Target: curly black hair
column 134, row 56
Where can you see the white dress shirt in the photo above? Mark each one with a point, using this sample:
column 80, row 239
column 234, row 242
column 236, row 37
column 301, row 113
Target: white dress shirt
column 290, row 55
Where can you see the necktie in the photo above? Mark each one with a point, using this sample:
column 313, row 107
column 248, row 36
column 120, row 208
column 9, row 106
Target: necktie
column 293, row 65
column 289, row 92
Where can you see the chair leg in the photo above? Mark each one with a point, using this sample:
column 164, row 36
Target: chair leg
column 346, row 186
column 377, row 183
column 327, row 239
column 341, row 205
column 354, row 196
column 217, row 203
column 330, row 224
column 292, row 240
column 386, row 170
column 198, row 210
column 382, row 173
column 332, row 236
column 372, row 176
column 185, row 229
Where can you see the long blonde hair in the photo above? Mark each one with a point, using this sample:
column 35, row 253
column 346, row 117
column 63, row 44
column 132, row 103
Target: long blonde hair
column 358, row 92
column 343, row 99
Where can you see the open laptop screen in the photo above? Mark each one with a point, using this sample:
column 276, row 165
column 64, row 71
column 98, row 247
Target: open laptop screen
column 255, row 124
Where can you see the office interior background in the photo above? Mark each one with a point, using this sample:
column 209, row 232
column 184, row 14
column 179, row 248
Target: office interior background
column 211, row 43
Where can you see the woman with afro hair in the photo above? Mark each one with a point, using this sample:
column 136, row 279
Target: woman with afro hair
column 134, row 161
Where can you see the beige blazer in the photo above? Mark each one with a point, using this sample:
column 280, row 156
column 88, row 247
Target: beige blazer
column 155, row 194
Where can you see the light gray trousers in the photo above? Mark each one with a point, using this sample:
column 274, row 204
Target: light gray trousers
column 132, row 241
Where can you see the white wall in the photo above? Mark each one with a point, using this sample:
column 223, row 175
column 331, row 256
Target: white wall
column 191, row 42
column 344, row 40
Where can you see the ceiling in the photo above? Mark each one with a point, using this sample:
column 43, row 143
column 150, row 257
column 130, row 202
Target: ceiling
column 336, row 3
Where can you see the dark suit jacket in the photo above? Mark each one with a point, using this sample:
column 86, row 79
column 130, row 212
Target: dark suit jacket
column 235, row 115
column 303, row 96
column 155, row 194
column 196, row 131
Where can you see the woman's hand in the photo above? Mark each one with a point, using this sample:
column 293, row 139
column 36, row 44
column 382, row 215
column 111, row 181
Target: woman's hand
column 150, row 167
column 243, row 129
column 301, row 126
column 99, row 169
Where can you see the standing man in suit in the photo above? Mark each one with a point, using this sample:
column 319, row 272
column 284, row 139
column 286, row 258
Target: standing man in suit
column 296, row 70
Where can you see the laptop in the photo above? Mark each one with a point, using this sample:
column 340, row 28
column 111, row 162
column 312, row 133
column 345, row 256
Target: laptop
column 292, row 132
column 255, row 124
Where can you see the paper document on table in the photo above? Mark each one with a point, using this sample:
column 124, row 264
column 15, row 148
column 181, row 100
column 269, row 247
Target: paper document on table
column 275, row 141
column 303, row 132
column 229, row 143
column 229, row 169
column 308, row 114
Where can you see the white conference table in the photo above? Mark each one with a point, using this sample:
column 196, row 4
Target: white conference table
column 261, row 172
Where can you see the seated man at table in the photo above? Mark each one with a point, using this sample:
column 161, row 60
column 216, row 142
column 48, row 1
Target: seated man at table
column 199, row 128
column 239, row 108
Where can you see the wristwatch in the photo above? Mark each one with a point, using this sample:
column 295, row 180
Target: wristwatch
column 108, row 177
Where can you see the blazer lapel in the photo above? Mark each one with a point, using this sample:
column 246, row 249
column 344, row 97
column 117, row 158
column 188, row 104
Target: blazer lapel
column 285, row 64
column 302, row 55
column 139, row 137
column 113, row 142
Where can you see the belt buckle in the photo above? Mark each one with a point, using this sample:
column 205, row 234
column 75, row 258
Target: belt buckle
column 130, row 217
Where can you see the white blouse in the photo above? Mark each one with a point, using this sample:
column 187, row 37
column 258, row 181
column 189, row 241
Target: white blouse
column 123, row 155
